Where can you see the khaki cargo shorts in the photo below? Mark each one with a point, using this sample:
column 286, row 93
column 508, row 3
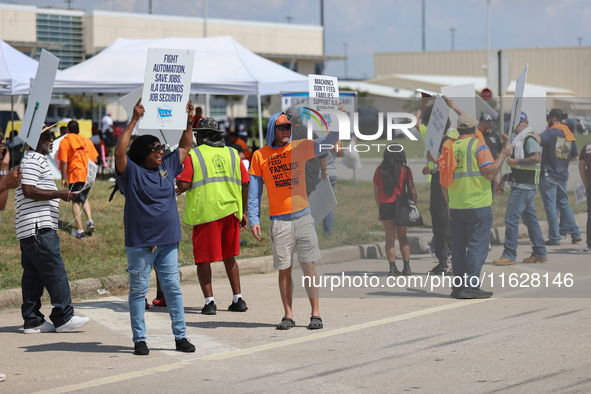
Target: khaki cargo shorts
column 291, row 236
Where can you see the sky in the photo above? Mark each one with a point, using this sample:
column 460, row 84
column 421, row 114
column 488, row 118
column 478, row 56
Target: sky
column 377, row 26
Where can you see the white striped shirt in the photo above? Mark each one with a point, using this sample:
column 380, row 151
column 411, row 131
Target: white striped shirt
column 31, row 213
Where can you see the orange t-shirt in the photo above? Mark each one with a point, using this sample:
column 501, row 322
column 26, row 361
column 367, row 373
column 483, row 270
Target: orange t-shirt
column 284, row 173
column 246, row 150
column 76, row 151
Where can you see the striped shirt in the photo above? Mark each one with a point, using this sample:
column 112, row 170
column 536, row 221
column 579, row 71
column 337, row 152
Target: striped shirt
column 30, row 213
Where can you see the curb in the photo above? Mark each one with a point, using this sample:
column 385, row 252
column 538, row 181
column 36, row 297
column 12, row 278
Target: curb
column 261, row 265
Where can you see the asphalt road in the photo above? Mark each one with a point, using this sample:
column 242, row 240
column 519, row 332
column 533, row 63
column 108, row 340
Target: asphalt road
column 379, row 339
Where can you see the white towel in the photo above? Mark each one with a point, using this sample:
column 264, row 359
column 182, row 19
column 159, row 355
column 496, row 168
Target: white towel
column 518, row 140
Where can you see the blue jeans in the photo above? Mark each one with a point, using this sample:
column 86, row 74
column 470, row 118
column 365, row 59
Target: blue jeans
column 521, row 205
column 139, row 266
column 555, row 199
column 470, row 237
column 329, row 219
column 43, row 267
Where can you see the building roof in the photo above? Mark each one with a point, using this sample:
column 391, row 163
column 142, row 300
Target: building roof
column 377, row 89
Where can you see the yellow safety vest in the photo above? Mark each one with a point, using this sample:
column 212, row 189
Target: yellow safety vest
column 216, row 187
column 469, row 188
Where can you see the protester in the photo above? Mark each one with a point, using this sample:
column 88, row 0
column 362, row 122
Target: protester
column 559, row 148
column 8, row 180
column 152, row 227
column 441, row 242
column 198, row 116
column 457, row 110
column 493, row 140
column 74, row 154
column 234, row 138
column 585, row 172
column 467, row 168
column 278, row 165
column 216, row 182
column 390, row 179
column 524, row 176
column 106, row 125
column 63, row 131
column 37, row 210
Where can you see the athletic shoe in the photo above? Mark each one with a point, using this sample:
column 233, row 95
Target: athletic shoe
column 89, row 227
column 74, row 323
column 577, row 240
column 472, row 294
column 78, row 234
column 183, row 345
column 209, row 309
column 239, row 306
column 586, row 249
column 159, row 301
column 552, row 243
column 2, row 377
column 504, row 261
column 141, row 349
column 45, row 327
column 535, row 259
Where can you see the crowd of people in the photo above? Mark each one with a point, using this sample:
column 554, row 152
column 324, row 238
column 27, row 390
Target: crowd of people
column 224, row 182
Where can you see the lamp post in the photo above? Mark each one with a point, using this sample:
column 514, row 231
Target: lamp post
column 346, row 61
column 453, row 30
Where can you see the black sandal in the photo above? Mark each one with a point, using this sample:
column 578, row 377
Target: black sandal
column 286, row 324
column 315, row 323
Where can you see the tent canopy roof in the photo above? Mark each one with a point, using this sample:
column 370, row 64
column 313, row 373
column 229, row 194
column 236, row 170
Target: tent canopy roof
column 16, row 70
column 222, row 66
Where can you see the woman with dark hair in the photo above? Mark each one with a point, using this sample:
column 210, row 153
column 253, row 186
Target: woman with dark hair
column 389, row 181
column 152, row 228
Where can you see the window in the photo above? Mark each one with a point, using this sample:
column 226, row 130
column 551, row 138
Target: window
column 293, row 66
column 66, row 29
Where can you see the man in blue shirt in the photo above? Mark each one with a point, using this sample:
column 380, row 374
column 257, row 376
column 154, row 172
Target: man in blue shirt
column 559, row 148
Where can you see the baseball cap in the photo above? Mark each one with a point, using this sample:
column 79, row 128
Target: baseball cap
column 486, row 117
column 466, row 121
column 522, row 117
column 282, row 119
column 558, row 114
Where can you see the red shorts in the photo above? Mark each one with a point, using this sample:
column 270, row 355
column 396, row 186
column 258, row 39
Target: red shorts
column 216, row 240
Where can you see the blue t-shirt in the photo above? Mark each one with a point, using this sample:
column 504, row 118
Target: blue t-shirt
column 151, row 216
column 556, row 154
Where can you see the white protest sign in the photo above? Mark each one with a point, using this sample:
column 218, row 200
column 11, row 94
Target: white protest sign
column 169, row 137
column 302, row 100
column 436, row 126
column 580, row 193
column 534, row 106
column 463, row 98
column 322, row 201
column 427, row 93
column 167, row 85
column 39, row 99
column 517, row 101
column 482, row 107
column 90, row 176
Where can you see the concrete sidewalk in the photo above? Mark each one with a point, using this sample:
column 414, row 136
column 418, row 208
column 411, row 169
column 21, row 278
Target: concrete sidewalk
column 419, row 240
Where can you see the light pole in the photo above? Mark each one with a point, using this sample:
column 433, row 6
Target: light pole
column 346, row 61
column 289, row 18
column 423, row 23
column 150, row 7
column 453, row 30
column 580, row 40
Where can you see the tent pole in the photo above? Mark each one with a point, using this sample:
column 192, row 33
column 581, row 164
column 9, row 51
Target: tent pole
column 12, row 127
column 260, row 122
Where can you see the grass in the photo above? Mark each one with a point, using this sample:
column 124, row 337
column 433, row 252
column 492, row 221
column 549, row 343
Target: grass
column 103, row 254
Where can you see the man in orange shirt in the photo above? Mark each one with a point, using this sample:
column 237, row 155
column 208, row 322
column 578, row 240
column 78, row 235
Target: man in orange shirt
column 234, row 138
column 280, row 165
column 74, row 153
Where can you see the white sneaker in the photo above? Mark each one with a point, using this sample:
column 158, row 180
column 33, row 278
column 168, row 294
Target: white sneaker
column 586, row 249
column 45, row 327
column 2, row 377
column 74, row 323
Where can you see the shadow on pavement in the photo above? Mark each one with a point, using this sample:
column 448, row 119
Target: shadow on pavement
column 227, row 324
column 82, row 347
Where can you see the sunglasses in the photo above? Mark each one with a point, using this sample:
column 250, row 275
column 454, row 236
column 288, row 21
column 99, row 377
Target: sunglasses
column 159, row 148
column 284, row 127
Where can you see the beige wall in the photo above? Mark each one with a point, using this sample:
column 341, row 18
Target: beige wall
column 258, row 37
column 568, row 68
column 18, row 24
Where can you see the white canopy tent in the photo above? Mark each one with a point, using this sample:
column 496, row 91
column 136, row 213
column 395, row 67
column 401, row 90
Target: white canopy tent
column 222, row 66
column 16, row 70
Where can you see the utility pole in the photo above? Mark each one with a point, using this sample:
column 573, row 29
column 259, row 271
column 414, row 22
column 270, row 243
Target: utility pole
column 423, row 23
column 452, row 29
column 289, row 18
column 580, row 40
column 69, row 3
column 346, row 61
column 487, row 33
column 205, row 36
column 149, row 6
column 323, row 35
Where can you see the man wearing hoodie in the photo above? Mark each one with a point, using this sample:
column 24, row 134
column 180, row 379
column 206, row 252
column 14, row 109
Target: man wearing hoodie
column 559, row 148
column 280, row 166
column 524, row 176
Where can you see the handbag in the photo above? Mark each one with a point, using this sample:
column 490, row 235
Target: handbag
column 406, row 213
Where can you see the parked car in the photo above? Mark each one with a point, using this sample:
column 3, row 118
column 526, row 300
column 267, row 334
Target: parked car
column 576, row 126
